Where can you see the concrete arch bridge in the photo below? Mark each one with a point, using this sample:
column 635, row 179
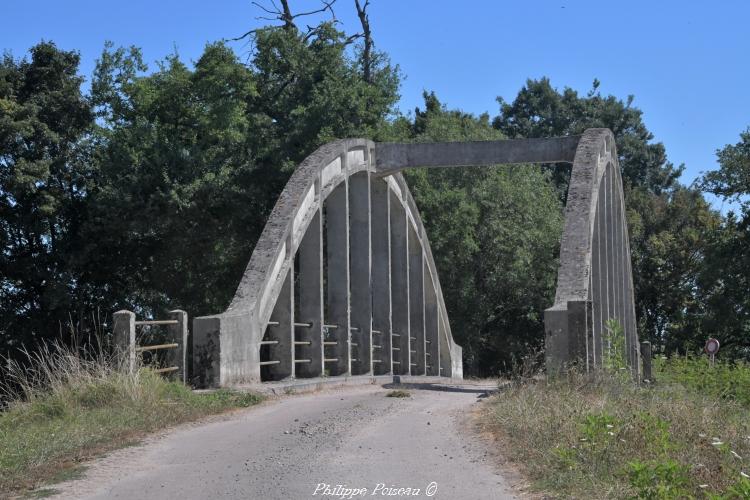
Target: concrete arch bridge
column 343, row 282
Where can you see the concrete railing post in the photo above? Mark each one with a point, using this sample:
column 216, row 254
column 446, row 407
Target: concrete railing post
column 123, row 328
column 178, row 334
column 646, row 357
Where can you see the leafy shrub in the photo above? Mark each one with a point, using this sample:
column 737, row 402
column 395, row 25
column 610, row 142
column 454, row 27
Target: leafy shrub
column 615, row 359
column 725, row 379
column 659, row 480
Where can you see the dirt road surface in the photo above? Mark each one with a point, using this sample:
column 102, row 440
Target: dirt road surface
column 344, row 443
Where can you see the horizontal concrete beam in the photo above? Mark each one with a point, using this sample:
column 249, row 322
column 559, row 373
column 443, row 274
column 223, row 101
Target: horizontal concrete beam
column 391, row 157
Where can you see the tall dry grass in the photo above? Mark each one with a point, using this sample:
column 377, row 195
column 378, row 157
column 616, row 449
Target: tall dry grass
column 55, row 368
column 66, row 404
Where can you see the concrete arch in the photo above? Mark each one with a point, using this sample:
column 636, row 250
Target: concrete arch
column 341, row 282
column 595, row 282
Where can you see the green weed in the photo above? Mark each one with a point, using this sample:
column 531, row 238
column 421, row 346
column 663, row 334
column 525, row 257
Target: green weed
column 398, row 393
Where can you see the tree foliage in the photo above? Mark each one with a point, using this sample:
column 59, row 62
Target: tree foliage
column 732, row 180
column 151, row 192
column 540, row 110
column 45, row 174
column 726, row 272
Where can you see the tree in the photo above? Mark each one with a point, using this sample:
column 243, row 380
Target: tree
column 726, row 275
column 539, row 110
column 179, row 194
column 44, row 179
column 672, row 234
column 158, row 203
column 732, row 180
column 193, row 160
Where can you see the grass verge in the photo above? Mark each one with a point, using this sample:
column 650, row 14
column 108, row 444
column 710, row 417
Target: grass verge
column 71, row 408
column 398, row 393
column 579, row 437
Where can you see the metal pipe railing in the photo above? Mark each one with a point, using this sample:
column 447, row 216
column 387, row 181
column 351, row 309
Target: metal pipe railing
column 156, row 347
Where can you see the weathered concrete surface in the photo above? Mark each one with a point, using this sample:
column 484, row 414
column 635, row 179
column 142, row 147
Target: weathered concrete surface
column 330, row 187
column 392, row 157
column 178, row 334
column 284, row 449
column 594, row 281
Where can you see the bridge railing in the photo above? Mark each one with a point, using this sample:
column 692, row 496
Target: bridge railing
column 126, row 341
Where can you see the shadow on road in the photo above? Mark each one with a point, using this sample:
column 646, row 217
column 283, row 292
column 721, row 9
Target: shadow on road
column 473, row 389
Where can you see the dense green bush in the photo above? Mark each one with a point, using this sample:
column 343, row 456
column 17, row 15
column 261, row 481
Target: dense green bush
column 725, row 379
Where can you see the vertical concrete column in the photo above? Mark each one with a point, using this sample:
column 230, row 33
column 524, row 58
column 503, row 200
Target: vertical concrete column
column 617, row 253
column 646, row 357
column 600, row 277
column 432, row 343
column 446, row 367
column 381, row 277
column 416, row 304
column 179, row 335
column 608, row 261
column 591, row 349
column 123, row 329
column 620, row 260
column 579, row 324
column 627, row 297
column 337, row 281
column 360, row 265
column 615, row 248
column 617, row 259
column 399, row 287
column 281, row 332
column 309, row 327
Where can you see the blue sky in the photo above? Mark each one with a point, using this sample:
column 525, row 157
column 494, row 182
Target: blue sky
column 687, row 63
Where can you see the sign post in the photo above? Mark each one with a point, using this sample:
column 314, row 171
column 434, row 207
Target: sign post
column 712, row 347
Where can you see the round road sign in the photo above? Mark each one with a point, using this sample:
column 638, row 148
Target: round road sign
column 712, row 346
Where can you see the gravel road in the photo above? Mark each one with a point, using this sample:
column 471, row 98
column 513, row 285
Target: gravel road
column 305, row 446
